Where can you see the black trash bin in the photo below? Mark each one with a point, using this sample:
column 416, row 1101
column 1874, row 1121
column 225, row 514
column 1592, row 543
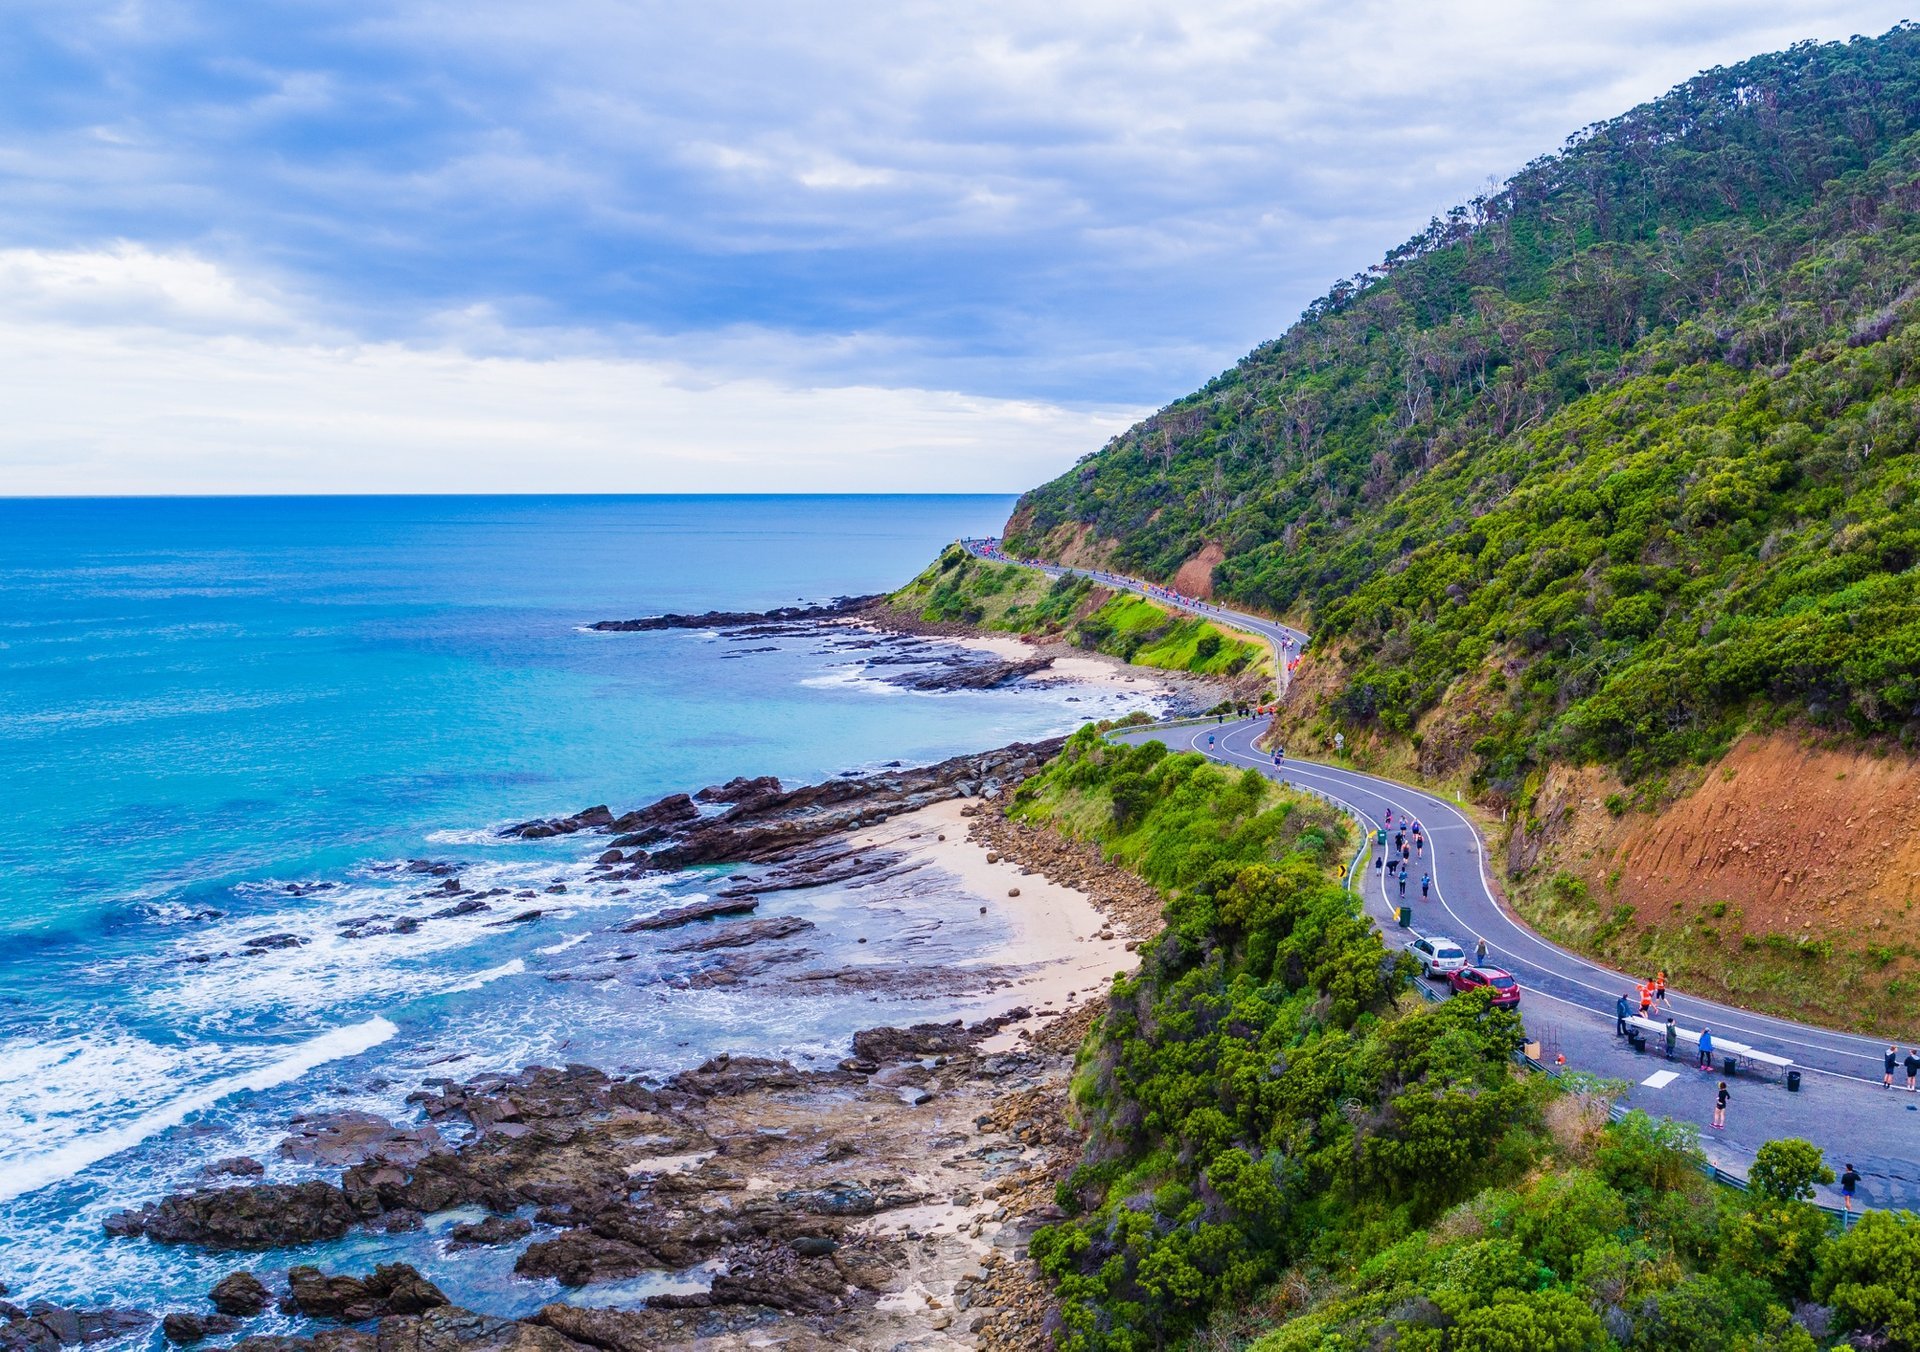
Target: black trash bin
column 1731, row 1066
column 1793, row 1082
column 1406, row 917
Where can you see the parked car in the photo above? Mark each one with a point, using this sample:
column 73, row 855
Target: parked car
column 1436, row 955
column 1506, row 991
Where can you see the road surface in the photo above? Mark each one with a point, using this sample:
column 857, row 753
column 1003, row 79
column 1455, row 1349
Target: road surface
column 1567, row 1001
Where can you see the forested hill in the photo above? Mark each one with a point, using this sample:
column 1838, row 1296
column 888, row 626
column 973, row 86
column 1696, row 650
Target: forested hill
column 1623, row 455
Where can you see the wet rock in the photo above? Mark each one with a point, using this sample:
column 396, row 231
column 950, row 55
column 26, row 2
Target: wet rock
column 268, row 942
column 492, row 1230
column 350, row 1137
column 468, row 907
column 686, row 915
column 401, row 1222
column 739, row 789
column 523, row 918
column 582, row 1258
column 745, row 932
column 185, row 1329
column 922, row 1039
column 392, row 1288
column 42, row 1327
column 731, row 1075
column 239, row 1293
column 235, row 1166
column 262, row 1216
column 433, row 868
column 968, row 674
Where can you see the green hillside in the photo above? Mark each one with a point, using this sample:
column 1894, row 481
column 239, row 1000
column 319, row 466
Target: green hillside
column 1605, row 465
column 958, row 588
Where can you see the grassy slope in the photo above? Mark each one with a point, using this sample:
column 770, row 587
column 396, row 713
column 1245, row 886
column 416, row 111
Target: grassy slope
column 1286, row 1146
column 959, row 588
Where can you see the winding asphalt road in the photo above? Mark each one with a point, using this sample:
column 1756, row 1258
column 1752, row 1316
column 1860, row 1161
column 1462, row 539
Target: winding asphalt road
column 1567, row 1001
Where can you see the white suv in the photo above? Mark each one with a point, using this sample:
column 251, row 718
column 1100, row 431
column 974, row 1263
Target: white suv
column 1436, row 955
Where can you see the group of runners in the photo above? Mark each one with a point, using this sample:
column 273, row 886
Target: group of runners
column 1409, row 848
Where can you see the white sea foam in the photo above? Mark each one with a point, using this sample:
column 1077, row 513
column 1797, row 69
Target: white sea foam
column 512, row 967
column 563, row 945
column 30, row 1172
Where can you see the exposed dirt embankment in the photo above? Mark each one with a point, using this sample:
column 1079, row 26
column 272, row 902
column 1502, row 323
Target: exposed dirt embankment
column 1784, row 876
column 1195, row 576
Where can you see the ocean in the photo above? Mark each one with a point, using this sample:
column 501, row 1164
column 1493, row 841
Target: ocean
column 227, row 726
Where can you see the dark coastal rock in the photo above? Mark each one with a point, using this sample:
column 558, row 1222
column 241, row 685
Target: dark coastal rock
column 263, row 1216
column 523, row 918
column 583, row 1258
column 185, row 1329
column 268, row 942
column 241, row 1294
column 724, row 1075
column 922, row 1039
column 468, row 907
column 492, row 1230
column 391, row 1289
column 609, row 1330
column 42, row 1327
column 744, row 932
column 739, row 789
column 349, row 1137
column 235, row 1166
column 433, row 868
column 838, row 608
column 687, row 915
column 971, row 675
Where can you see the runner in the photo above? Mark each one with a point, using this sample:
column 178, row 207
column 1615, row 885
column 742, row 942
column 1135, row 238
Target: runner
column 1646, row 998
column 1403, row 884
column 1660, row 988
column 1848, row 1182
column 1720, row 1106
column 1425, row 882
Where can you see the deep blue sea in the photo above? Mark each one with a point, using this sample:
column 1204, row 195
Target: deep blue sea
column 210, row 706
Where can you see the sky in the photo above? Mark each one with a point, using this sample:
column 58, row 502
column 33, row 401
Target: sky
column 584, row 246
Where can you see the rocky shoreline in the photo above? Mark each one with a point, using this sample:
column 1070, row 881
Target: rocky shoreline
column 884, row 1202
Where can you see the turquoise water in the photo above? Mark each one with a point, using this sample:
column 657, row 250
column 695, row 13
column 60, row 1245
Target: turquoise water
column 207, row 707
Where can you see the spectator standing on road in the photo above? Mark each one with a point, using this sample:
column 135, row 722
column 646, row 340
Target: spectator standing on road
column 1848, row 1182
column 1913, row 1067
column 1706, row 1048
column 1720, row 1106
column 1479, row 952
column 1893, row 1058
column 1620, row 1017
column 1673, row 1035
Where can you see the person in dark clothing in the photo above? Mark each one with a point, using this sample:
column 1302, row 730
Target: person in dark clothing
column 1893, row 1059
column 1620, row 1011
column 1913, row 1067
column 1720, row 1106
column 1479, row 952
column 1706, row 1048
column 1673, row 1035
column 1848, row 1182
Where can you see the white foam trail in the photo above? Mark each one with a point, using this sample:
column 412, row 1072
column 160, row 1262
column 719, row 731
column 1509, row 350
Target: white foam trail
column 512, row 967
column 29, row 1175
column 563, row 945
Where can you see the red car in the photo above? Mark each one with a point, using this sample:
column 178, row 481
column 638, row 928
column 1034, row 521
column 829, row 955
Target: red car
column 1506, row 991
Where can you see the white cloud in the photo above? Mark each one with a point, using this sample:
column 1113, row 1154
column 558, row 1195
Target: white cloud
column 158, row 403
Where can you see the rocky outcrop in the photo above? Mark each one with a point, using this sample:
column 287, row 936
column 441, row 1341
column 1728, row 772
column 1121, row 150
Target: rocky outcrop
column 739, row 789
column 349, row 1137
column 240, row 1294
column 392, row 1288
column 744, row 932
column 837, row 609
column 42, row 1327
column 491, row 1231
column 263, row 1216
column 710, row 909
column 969, row 674
column 183, row 1328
